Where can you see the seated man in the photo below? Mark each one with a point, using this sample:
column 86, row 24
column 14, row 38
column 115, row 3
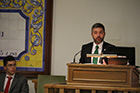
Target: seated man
column 10, row 82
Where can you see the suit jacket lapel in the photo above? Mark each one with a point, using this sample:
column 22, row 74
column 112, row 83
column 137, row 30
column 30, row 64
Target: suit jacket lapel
column 14, row 82
column 89, row 51
column 104, row 49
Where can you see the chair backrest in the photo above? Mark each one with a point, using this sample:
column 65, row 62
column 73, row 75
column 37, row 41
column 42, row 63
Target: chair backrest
column 47, row 79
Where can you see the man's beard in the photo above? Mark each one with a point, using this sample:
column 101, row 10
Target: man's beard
column 98, row 40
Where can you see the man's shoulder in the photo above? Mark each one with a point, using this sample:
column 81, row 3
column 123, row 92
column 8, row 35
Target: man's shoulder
column 20, row 76
column 2, row 74
column 108, row 44
column 88, row 44
column 105, row 44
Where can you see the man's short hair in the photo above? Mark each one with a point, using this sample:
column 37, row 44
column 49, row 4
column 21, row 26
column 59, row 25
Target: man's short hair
column 8, row 58
column 98, row 25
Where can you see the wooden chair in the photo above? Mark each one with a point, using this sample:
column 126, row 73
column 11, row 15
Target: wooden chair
column 35, row 84
column 46, row 79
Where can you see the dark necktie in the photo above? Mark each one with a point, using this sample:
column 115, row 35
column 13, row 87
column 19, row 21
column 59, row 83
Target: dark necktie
column 7, row 85
column 95, row 59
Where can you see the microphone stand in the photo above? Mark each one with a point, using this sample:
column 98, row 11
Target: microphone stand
column 75, row 57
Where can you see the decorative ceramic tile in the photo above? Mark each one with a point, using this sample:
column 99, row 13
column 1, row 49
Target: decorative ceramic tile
column 21, row 33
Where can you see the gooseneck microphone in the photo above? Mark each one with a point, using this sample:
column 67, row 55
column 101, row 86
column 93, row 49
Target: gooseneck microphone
column 75, row 56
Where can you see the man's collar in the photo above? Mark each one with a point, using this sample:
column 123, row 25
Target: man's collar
column 100, row 45
column 10, row 76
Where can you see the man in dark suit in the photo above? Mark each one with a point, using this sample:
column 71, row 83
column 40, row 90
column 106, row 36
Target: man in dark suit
column 98, row 34
column 18, row 83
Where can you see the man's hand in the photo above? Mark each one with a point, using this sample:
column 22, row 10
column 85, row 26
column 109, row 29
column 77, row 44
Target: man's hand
column 104, row 63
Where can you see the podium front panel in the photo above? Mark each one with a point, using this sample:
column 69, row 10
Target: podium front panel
column 102, row 75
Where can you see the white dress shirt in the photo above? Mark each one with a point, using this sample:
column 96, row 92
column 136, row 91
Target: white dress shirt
column 99, row 51
column 6, row 80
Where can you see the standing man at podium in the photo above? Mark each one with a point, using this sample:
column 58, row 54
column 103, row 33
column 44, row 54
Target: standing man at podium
column 98, row 45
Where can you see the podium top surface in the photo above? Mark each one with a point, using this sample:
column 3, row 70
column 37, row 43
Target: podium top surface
column 102, row 66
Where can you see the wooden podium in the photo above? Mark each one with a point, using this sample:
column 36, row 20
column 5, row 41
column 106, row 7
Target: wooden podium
column 91, row 78
column 103, row 75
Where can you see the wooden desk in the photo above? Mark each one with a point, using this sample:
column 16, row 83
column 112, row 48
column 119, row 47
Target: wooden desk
column 65, row 88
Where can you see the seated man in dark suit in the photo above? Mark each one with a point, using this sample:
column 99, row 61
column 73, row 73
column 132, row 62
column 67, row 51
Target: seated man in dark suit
column 10, row 82
column 98, row 46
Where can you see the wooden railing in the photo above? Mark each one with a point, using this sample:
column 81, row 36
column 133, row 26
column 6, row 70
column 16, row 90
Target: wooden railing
column 64, row 88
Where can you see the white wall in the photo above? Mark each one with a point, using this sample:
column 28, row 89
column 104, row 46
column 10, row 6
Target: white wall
column 72, row 21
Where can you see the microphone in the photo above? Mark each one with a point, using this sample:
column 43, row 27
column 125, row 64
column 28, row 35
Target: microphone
column 75, row 57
